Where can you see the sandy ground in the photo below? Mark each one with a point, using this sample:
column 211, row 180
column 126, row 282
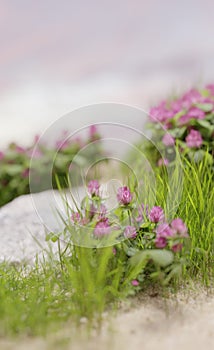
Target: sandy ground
column 185, row 321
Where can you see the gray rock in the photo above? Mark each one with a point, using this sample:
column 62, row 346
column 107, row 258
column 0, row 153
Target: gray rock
column 25, row 221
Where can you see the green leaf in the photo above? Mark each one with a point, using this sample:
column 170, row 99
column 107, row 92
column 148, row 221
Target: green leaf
column 13, row 169
column 206, row 107
column 52, row 237
column 160, row 257
column 204, row 123
column 178, row 132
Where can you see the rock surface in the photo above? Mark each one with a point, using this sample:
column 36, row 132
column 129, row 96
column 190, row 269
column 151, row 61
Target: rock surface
column 24, row 223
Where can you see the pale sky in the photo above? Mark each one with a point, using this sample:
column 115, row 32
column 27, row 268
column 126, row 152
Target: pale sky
column 59, row 55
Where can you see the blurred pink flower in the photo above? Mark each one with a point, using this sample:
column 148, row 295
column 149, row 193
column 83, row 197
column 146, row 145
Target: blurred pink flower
column 142, row 211
column 35, row 154
column 124, row 195
column 177, row 247
column 168, row 140
column 36, row 138
column 159, row 113
column 135, row 283
column 179, row 227
column 156, row 214
column 184, row 119
column 75, row 217
column 1, row 155
column 93, row 187
column 210, row 87
column 114, row 250
column 20, row 149
column 130, row 232
column 62, row 144
column 93, row 133
column 191, row 97
column 176, row 106
column 160, row 242
column 102, row 212
column 163, row 161
column 163, row 231
column 25, row 173
column 194, row 139
column 92, row 210
column 196, row 113
column 102, row 228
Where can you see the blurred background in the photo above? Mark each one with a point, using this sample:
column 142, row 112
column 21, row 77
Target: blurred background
column 59, row 55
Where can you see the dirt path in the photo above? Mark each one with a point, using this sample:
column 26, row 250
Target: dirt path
column 183, row 322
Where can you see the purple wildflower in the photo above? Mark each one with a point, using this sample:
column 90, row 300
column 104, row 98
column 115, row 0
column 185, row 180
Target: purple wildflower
column 102, row 211
column 160, row 113
column 176, row 106
column 163, row 161
column 163, row 231
column 210, row 88
column 124, row 195
column 156, row 214
column 135, row 283
column 160, row 242
column 179, row 227
column 93, row 187
column 130, row 232
column 177, row 247
column 92, row 131
column 184, row 119
column 102, row 228
column 142, row 211
column 168, row 140
column 1, row 155
column 191, row 97
column 114, row 251
column 36, row 138
column 62, row 144
column 25, row 173
column 194, row 139
column 196, row 113
column 75, row 217
column 20, row 149
column 92, row 210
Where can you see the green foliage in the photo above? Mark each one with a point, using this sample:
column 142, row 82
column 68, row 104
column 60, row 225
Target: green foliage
column 38, row 160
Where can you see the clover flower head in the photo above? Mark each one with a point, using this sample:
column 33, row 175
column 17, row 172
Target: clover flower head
column 102, row 228
column 191, row 97
column 196, row 113
column 210, row 88
column 156, row 214
column 179, row 227
column 164, row 230
column 102, row 211
column 93, row 188
column 124, row 195
column 75, row 217
column 160, row 242
column 168, row 140
column 194, row 139
column 184, row 119
column 130, row 232
column 177, row 247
